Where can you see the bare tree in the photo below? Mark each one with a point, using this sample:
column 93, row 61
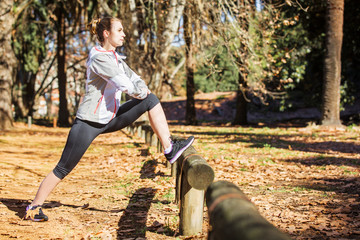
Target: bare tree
column 8, row 14
column 332, row 65
column 61, row 59
column 166, row 37
column 7, row 61
column 152, row 27
column 241, row 103
column 69, row 17
column 190, row 115
column 228, row 22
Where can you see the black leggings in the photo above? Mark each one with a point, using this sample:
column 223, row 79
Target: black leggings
column 82, row 133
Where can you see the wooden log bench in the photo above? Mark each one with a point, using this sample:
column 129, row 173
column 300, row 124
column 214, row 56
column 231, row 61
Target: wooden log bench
column 135, row 127
column 144, row 130
column 233, row 217
column 193, row 176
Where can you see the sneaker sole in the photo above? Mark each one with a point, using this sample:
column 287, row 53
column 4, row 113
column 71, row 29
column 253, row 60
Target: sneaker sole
column 177, row 155
column 37, row 220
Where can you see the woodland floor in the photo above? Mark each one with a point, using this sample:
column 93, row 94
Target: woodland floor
column 303, row 179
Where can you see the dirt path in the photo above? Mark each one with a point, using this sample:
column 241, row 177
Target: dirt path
column 108, row 194
column 306, row 181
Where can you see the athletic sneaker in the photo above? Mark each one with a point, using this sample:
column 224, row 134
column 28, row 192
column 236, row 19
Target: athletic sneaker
column 35, row 214
column 178, row 147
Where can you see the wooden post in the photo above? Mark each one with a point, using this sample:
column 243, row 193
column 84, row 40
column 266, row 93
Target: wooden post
column 169, row 165
column 143, row 132
column 154, row 140
column 192, row 210
column 54, row 122
column 159, row 146
column 195, row 168
column 29, row 120
column 233, row 217
column 139, row 131
column 173, row 169
column 136, row 127
column 194, row 175
column 149, row 135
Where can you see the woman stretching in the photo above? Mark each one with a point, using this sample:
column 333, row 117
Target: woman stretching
column 101, row 111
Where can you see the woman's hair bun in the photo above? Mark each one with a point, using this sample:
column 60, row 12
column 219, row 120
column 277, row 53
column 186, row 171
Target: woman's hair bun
column 93, row 25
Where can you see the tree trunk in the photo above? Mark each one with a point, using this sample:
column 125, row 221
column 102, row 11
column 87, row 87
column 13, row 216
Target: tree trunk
column 30, row 94
column 23, row 92
column 165, row 40
column 7, row 62
column 332, row 65
column 134, row 29
column 241, row 104
column 61, row 47
column 190, row 115
column 17, row 97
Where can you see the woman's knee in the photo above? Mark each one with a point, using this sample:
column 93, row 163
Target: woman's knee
column 61, row 172
column 153, row 100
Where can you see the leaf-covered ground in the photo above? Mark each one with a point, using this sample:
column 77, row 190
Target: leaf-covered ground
column 306, row 181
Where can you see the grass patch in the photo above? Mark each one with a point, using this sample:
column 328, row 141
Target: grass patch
column 129, row 146
column 290, row 189
column 321, row 167
column 265, row 161
column 351, row 127
column 220, row 97
column 347, row 171
column 169, row 194
column 125, row 186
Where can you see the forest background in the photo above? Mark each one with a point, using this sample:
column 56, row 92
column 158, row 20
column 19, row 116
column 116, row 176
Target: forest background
column 256, row 59
column 276, row 55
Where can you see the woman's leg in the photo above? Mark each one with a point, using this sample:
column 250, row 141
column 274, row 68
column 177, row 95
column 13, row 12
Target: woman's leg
column 172, row 149
column 46, row 187
column 159, row 124
column 80, row 137
column 134, row 108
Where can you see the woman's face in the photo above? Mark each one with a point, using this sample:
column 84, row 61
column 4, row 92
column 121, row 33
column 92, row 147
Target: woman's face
column 116, row 36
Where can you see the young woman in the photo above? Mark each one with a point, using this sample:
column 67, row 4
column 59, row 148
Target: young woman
column 101, row 111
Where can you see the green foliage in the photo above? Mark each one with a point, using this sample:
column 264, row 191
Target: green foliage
column 29, row 37
column 280, row 52
column 350, row 53
column 30, row 48
column 260, row 37
column 304, row 39
column 289, row 54
column 288, row 50
column 347, row 93
column 298, row 48
column 216, row 72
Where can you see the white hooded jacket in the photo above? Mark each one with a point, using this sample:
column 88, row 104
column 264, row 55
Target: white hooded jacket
column 107, row 77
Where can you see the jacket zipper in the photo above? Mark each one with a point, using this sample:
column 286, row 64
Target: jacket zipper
column 99, row 101
column 114, row 109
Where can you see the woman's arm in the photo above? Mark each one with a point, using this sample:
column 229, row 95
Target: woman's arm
column 105, row 67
